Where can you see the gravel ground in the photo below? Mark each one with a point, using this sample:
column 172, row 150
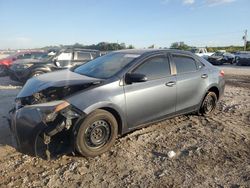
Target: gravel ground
column 186, row 151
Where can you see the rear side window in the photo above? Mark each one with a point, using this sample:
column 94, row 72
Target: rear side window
column 184, row 64
column 83, row 56
column 156, row 67
column 24, row 56
column 64, row 56
column 39, row 55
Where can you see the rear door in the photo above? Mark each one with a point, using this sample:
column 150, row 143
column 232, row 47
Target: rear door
column 192, row 78
column 155, row 98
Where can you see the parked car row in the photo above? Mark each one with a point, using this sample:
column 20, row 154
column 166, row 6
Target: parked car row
column 222, row 57
column 7, row 62
column 22, row 66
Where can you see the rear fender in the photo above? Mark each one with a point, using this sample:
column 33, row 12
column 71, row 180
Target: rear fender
column 206, row 91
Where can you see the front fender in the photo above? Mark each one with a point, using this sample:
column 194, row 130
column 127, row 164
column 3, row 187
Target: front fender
column 104, row 96
column 110, row 105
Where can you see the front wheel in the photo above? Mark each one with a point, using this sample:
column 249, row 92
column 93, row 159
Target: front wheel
column 96, row 134
column 209, row 104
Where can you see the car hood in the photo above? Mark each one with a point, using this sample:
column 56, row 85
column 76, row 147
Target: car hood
column 215, row 57
column 54, row 79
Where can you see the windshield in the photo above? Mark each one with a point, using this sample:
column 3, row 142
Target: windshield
column 194, row 50
column 218, row 54
column 106, row 66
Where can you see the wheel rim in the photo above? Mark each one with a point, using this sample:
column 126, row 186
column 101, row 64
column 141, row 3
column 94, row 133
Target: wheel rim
column 36, row 74
column 97, row 134
column 209, row 104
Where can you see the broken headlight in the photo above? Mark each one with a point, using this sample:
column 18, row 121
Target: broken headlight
column 65, row 109
column 18, row 104
column 51, row 110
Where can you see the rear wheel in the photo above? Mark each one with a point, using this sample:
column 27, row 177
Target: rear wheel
column 209, row 104
column 96, row 134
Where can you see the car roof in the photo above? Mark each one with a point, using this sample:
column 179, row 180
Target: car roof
column 79, row 49
column 144, row 51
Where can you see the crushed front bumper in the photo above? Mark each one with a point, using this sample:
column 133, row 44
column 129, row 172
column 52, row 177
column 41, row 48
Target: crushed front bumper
column 37, row 138
column 26, row 125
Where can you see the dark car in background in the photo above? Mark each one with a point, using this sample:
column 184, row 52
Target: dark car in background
column 85, row 108
column 220, row 58
column 242, row 58
column 67, row 58
column 8, row 61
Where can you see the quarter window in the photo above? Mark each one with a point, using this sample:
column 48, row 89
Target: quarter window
column 83, row 56
column 184, row 64
column 156, row 67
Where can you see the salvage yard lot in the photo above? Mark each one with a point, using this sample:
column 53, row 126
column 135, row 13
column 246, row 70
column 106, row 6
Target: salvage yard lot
column 210, row 151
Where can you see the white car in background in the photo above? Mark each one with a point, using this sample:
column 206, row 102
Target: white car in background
column 202, row 52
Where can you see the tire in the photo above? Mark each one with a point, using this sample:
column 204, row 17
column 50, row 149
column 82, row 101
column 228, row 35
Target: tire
column 208, row 104
column 36, row 73
column 3, row 71
column 96, row 133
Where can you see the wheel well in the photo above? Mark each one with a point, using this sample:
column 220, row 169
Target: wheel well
column 215, row 90
column 41, row 70
column 117, row 117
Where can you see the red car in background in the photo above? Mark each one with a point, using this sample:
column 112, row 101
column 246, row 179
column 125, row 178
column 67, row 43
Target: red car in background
column 5, row 63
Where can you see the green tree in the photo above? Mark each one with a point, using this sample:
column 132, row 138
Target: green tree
column 152, row 46
column 131, row 46
column 180, row 46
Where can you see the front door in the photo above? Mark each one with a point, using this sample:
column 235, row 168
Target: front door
column 155, row 98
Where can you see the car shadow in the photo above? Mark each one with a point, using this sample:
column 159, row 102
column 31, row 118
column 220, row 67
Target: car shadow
column 6, row 137
column 6, row 81
column 8, row 91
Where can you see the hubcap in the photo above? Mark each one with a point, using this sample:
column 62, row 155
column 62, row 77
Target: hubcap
column 98, row 134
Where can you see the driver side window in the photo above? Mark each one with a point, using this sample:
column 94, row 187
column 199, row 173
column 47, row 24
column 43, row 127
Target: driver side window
column 154, row 68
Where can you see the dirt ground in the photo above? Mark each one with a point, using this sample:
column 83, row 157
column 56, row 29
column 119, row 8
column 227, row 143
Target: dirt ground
column 186, row 151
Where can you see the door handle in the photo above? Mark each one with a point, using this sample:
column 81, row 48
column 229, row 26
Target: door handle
column 204, row 76
column 170, row 84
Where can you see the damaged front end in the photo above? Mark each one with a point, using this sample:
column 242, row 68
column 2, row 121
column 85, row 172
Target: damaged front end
column 45, row 129
column 42, row 120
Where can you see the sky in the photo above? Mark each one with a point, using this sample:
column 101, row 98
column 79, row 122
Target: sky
column 142, row 23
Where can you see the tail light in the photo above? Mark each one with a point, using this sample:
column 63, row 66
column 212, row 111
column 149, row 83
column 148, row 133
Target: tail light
column 222, row 73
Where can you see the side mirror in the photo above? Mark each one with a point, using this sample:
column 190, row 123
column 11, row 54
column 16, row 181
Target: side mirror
column 134, row 77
